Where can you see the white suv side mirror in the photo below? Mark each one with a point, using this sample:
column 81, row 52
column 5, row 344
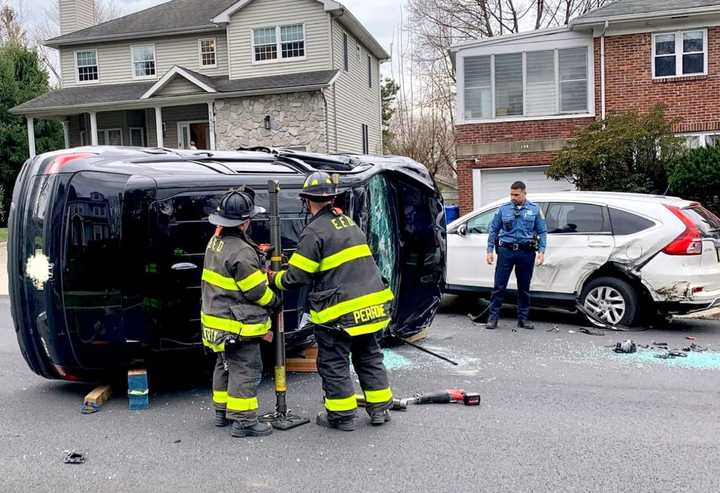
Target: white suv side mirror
column 462, row 230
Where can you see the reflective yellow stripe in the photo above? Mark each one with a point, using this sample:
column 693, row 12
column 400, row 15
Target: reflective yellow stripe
column 278, row 280
column 226, row 283
column 216, row 348
column 367, row 329
column 235, row 327
column 220, row 397
column 346, row 404
column 337, row 311
column 266, row 298
column 304, row 263
column 378, row 396
column 347, row 255
column 238, row 404
column 252, row 281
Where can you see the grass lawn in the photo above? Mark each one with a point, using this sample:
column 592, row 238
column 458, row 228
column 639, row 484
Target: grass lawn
column 3, row 234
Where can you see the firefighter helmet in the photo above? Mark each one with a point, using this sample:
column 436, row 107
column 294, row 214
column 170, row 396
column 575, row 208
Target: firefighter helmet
column 319, row 187
column 236, row 207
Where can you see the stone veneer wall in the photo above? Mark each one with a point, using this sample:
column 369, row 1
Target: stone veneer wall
column 297, row 119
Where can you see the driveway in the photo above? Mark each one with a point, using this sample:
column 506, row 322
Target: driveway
column 560, row 412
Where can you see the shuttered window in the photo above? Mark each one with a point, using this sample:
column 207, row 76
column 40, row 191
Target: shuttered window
column 528, row 84
column 478, row 87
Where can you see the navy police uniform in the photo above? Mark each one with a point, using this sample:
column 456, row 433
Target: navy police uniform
column 516, row 232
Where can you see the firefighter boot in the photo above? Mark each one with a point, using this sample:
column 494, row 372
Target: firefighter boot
column 255, row 429
column 343, row 425
column 379, row 418
column 220, row 419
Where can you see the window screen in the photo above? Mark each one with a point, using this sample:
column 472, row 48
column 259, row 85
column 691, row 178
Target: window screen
column 478, row 87
column 573, row 80
column 508, row 85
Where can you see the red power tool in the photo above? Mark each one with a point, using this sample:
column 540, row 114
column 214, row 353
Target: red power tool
column 447, row 397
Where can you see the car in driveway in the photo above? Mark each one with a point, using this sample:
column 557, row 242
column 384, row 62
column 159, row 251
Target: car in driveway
column 623, row 257
column 106, row 246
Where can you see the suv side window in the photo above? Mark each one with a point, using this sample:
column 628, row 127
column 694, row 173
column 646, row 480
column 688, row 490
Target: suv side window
column 625, row 223
column 480, row 224
column 570, row 218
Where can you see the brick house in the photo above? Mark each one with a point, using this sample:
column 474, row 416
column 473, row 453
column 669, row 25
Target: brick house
column 520, row 97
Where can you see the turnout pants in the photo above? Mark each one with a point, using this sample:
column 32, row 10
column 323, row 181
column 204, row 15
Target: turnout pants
column 523, row 262
column 238, row 372
column 334, row 353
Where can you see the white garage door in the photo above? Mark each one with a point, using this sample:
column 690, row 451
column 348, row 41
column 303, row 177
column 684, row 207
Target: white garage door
column 491, row 185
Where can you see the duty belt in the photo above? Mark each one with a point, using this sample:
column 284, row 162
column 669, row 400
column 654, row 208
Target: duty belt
column 516, row 247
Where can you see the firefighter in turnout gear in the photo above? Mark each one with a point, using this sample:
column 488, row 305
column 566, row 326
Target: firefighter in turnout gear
column 236, row 308
column 349, row 304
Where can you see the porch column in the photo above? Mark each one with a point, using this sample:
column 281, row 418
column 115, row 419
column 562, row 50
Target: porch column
column 66, row 133
column 211, row 121
column 31, row 136
column 159, row 126
column 93, row 129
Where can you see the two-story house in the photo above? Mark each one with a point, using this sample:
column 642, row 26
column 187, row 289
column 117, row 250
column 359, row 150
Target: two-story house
column 217, row 74
column 520, row 97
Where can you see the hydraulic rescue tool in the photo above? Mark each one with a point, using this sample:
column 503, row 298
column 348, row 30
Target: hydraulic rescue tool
column 282, row 418
column 450, row 396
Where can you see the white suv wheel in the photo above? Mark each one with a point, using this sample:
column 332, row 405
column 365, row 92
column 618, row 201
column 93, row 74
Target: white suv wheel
column 607, row 303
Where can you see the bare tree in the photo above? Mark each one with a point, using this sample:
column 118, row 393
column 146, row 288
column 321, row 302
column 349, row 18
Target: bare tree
column 424, row 123
column 10, row 29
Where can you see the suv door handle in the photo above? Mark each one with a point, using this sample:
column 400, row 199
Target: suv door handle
column 184, row 266
column 599, row 244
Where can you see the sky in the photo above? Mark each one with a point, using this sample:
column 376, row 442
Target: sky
column 380, row 17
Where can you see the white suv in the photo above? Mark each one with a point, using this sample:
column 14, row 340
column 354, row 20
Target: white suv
column 615, row 253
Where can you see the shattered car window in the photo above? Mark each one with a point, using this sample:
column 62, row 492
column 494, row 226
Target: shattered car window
column 382, row 231
column 705, row 220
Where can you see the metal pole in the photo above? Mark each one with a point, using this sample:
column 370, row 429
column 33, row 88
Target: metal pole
column 281, row 419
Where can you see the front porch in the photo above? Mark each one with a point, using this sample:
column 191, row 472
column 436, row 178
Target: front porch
column 187, row 110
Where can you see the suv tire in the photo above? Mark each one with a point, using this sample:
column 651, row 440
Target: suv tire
column 615, row 298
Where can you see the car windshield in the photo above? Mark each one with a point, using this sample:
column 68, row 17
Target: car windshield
column 705, row 220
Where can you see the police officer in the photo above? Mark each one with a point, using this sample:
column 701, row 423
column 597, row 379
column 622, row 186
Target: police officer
column 236, row 307
column 519, row 234
column 349, row 304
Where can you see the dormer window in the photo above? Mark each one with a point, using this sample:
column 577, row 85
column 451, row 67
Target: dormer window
column 87, row 66
column 679, row 54
column 276, row 43
column 143, row 61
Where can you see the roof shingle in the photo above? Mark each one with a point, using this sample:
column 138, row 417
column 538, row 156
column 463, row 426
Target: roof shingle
column 621, row 8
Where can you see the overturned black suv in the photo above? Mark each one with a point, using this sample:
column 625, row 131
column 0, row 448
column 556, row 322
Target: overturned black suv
column 106, row 246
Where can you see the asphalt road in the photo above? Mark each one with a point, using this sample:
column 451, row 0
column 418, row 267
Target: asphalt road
column 560, row 412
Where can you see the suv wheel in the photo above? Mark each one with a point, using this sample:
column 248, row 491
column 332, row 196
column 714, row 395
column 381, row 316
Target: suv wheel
column 613, row 300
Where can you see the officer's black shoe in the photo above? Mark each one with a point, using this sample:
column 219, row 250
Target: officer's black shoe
column 220, row 420
column 526, row 324
column 256, row 429
column 379, row 419
column 343, row 425
column 491, row 325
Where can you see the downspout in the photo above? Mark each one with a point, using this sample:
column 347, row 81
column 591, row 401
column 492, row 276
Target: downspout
column 334, row 86
column 327, row 123
column 602, row 69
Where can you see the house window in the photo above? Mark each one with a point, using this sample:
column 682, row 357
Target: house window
column 346, row 55
column 208, row 56
column 110, row 137
column 526, row 85
column 695, row 141
column 679, row 54
column 365, row 139
column 143, row 61
column 278, row 43
column 137, row 136
column 370, row 72
column 87, row 66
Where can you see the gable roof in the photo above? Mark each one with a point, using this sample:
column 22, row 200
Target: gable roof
column 199, row 80
column 640, row 9
column 173, row 17
column 197, row 16
column 75, row 99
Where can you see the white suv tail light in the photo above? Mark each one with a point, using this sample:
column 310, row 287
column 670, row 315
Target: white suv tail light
column 690, row 241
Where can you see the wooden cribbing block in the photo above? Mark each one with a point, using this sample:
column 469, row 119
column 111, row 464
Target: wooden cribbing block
column 306, row 363
column 99, row 395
